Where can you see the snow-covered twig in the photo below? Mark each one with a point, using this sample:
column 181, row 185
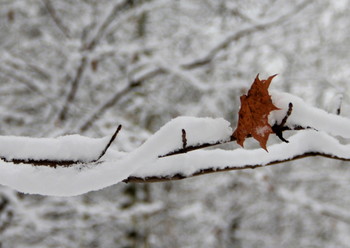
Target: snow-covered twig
column 146, row 163
column 62, row 152
column 179, row 176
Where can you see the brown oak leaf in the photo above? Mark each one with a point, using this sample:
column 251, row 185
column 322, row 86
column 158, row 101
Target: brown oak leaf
column 253, row 114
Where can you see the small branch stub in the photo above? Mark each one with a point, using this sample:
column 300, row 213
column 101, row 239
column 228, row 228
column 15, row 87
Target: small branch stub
column 109, row 143
column 184, row 139
column 279, row 128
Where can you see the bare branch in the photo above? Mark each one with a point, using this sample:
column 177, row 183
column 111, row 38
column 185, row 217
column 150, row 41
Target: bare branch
column 109, row 143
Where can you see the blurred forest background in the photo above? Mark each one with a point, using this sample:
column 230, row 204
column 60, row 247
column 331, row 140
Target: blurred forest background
column 85, row 66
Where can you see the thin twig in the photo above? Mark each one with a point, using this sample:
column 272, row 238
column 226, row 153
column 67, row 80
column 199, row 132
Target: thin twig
column 197, row 147
column 184, row 139
column 289, row 112
column 109, row 144
column 279, row 128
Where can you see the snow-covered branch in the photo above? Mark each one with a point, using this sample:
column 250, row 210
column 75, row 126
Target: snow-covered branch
column 84, row 164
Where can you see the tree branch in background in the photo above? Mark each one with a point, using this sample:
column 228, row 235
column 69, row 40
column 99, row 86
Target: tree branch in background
column 118, row 8
column 125, row 5
column 210, row 55
column 86, row 49
column 114, row 99
column 73, row 90
column 57, row 20
column 27, row 82
column 22, row 79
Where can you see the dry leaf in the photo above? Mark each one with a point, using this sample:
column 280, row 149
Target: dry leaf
column 254, row 112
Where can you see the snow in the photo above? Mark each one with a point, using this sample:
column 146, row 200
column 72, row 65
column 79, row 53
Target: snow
column 307, row 116
column 302, row 142
column 80, row 179
column 70, row 147
column 145, row 162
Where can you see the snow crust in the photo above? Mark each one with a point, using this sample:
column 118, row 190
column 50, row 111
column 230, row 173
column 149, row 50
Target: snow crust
column 144, row 161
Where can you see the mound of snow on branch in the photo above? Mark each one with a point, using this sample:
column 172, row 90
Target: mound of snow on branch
column 145, row 161
column 115, row 166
